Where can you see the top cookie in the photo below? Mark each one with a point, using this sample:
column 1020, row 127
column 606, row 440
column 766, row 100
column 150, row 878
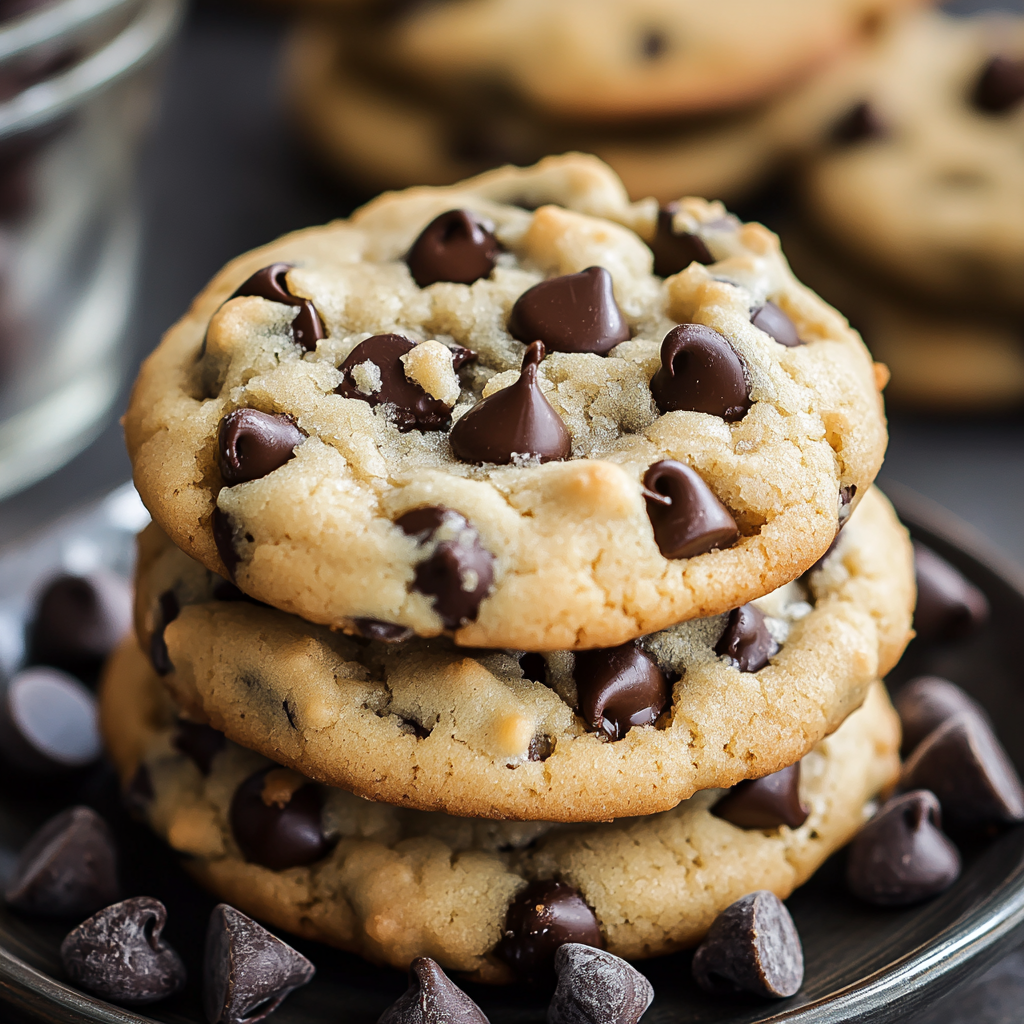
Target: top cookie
column 319, row 431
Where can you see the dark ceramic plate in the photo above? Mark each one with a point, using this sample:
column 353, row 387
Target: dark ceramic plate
column 863, row 964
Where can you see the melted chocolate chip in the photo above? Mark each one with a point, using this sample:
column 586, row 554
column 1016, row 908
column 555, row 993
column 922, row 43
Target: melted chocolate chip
column 224, row 538
column 384, row 632
column 515, row 422
column 924, row 703
column 767, row 802
column 859, row 124
column 901, row 856
column 752, row 947
column 686, row 516
column 432, row 998
column 167, row 611
column 307, row 327
column 118, row 954
column 534, row 667
column 253, row 444
column 456, row 246
column 776, row 324
column 574, row 313
column 595, row 987
column 700, row 372
column 1000, row 86
column 247, row 972
column 410, row 407
column 67, row 869
column 948, row 606
column 459, row 574
column 746, row 639
column 278, row 835
column 675, row 251
column 272, row 283
column 461, row 356
column 544, row 916
column 202, row 743
column 618, row 688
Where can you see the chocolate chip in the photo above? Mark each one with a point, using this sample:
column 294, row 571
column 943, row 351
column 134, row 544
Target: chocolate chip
column 700, row 372
column 534, row 667
column 307, row 327
column 48, row 722
column 1000, row 86
column 459, row 574
column 272, row 283
column 224, row 539
column 595, row 987
column 924, row 703
column 277, row 826
column 384, row 632
column 746, row 639
column 965, row 766
column 409, row 406
column 619, row 688
column 253, row 444
column 675, row 251
column 768, row 802
column 432, row 998
column 167, row 611
column 574, row 313
column 846, row 495
column 544, row 916
column 461, row 356
column 118, row 954
column 859, row 124
column 247, row 971
column 752, row 947
column 901, row 855
column 948, row 606
column 457, row 246
column 79, row 620
column 515, row 422
column 67, row 869
column 776, row 324
column 138, row 794
column 202, row 743
column 686, row 516
column 540, row 749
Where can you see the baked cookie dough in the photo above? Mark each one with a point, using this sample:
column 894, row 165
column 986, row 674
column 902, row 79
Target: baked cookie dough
column 499, row 734
column 611, row 519
column 392, row 884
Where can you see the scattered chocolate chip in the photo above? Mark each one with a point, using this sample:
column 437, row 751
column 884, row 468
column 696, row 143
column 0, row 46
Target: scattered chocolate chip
column 1000, row 86
column 515, row 422
column 432, row 998
column 700, row 372
column 746, row 639
column 901, row 855
column 277, row 826
column 544, row 916
column 675, row 251
column 224, row 539
column 619, row 688
column 859, row 124
column 534, row 667
column 384, row 632
column 202, row 743
column 138, row 794
column 776, row 324
column 167, row 611
column 540, row 749
column 118, row 954
column 67, row 869
column 768, row 802
column 686, row 516
column 595, row 987
column 253, row 444
column 924, row 703
column 272, row 283
column 247, row 971
column 410, row 407
column 574, row 313
column 459, row 574
column 456, row 246
column 965, row 766
column 948, row 606
column 48, row 722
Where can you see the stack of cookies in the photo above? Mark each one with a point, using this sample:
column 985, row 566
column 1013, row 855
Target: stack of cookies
column 516, row 576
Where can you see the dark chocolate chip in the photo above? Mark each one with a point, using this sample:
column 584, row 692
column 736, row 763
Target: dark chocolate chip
column 459, row 574
column 253, row 444
column 247, row 971
column 456, row 246
column 384, row 632
column 48, row 722
column 901, row 855
column 1000, row 86
column 138, row 794
column 409, row 406
column 67, row 869
column 461, row 356
column 595, row 987
column 675, row 251
column 534, row 667
column 307, row 327
column 202, row 743
column 965, row 766
column 275, row 825
column 776, row 324
column 948, row 606
column 544, row 916
column 574, row 313
column 167, row 611
column 859, row 124
column 224, row 539
column 746, row 639
column 272, row 283
column 619, row 688
column 752, row 947
column 540, row 749
column 846, row 495
column 432, row 998
column 515, row 422
column 686, row 516
column 118, row 954
column 700, row 372
column 768, row 802
column 924, row 703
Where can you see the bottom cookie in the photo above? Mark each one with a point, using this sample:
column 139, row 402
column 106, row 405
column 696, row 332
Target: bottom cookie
column 392, row 884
